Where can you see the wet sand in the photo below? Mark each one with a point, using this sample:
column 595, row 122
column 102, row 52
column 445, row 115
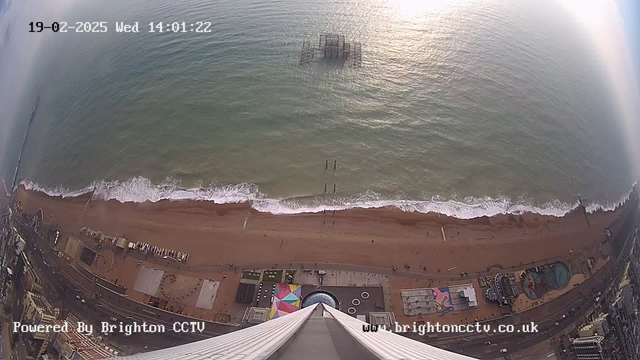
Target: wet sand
column 217, row 234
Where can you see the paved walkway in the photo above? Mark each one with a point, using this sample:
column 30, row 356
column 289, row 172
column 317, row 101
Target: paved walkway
column 148, row 258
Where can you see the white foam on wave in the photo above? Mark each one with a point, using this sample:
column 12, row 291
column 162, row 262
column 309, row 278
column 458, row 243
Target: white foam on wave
column 593, row 207
column 467, row 208
column 140, row 189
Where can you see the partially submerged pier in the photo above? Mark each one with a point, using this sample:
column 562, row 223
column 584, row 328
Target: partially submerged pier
column 332, row 46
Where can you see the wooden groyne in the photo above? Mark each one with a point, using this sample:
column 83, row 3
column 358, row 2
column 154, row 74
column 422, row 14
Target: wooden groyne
column 24, row 142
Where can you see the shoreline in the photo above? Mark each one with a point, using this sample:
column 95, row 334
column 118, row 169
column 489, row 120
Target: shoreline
column 140, row 190
column 389, row 212
column 217, row 234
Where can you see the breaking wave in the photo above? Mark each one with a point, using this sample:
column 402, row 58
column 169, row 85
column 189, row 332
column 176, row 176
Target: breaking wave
column 140, row 189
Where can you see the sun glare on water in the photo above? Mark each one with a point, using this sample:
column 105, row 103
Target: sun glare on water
column 589, row 12
column 415, row 8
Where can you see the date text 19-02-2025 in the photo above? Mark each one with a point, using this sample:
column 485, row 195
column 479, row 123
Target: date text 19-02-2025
column 103, row 26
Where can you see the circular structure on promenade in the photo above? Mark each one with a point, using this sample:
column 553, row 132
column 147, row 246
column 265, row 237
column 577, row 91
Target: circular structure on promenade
column 562, row 274
column 320, row 297
column 546, row 278
column 355, row 302
column 364, row 295
column 178, row 287
column 351, row 310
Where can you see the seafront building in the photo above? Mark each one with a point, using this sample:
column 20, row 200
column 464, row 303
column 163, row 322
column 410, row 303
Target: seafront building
column 73, row 345
column 588, row 348
column 615, row 332
column 36, row 311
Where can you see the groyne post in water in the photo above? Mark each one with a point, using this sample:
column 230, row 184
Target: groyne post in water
column 334, row 165
column 334, row 188
column 326, row 164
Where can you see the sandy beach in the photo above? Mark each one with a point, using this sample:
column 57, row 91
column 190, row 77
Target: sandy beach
column 234, row 233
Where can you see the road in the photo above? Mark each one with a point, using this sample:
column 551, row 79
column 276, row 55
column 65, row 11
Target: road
column 92, row 311
column 102, row 303
column 574, row 304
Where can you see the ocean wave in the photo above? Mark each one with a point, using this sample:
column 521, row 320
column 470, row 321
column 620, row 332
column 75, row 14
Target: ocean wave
column 140, row 189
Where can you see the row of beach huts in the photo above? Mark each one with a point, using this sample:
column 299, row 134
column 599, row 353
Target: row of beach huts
column 98, row 235
column 160, row 252
column 123, row 243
